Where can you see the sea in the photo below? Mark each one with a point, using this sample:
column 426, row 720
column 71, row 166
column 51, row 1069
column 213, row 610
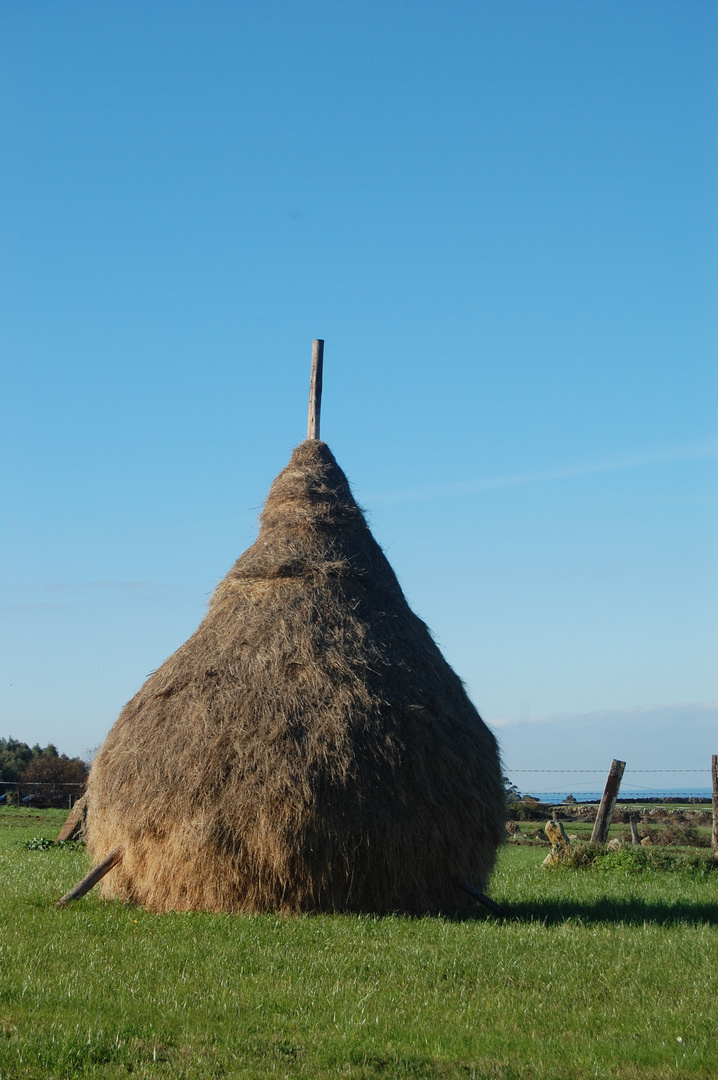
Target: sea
column 625, row 793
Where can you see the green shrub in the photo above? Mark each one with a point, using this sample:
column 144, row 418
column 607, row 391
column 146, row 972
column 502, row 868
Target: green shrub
column 635, row 859
column 41, row 843
column 681, row 836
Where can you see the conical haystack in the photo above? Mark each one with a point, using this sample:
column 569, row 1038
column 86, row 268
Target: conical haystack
column 308, row 748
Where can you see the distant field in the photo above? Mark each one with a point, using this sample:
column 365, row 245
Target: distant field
column 675, row 825
column 592, row 975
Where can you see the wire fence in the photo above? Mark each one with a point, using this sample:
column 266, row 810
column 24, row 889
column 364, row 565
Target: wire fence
column 574, row 784
column 586, row 785
column 40, row 793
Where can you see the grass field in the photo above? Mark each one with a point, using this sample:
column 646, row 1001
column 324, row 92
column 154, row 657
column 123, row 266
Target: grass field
column 593, row 974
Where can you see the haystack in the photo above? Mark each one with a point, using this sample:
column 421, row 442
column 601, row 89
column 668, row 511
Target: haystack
column 308, row 748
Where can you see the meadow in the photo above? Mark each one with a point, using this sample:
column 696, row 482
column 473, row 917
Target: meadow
column 607, row 973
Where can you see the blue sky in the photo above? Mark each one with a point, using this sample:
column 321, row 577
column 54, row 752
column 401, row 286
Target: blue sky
column 501, row 218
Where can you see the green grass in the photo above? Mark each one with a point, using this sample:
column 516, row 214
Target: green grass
column 593, row 974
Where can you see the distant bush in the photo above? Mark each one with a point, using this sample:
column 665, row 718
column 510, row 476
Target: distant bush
column 635, row 859
column 512, row 793
column 639, row 858
column 528, row 809
column 680, row 836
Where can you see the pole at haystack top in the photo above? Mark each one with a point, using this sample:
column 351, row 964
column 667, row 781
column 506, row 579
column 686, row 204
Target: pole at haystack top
column 315, row 389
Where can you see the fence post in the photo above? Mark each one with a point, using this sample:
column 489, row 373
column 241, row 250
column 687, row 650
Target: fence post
column 714, row 777
column 608, row 802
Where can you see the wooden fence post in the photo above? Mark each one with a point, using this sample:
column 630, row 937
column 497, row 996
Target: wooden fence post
column 608, row 802
column 714, row 777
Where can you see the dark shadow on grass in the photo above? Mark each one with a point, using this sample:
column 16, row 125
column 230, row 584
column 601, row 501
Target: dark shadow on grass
column 634, row 912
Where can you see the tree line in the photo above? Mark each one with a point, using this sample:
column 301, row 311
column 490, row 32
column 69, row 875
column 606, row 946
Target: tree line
column 39, row 776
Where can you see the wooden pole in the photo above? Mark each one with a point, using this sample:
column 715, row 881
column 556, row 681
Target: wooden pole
column 714, row 775
column 608, row 802
column 92, row 878
column 482, row 898
column 635, row 838
column 74, row 820
column 315, row 389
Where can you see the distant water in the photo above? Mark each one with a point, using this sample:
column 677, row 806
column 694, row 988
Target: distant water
column 624, row 793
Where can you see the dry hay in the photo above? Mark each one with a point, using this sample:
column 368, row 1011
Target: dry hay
column 308, row 748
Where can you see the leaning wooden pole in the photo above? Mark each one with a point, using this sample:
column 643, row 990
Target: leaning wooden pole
column 315, row 389
column 714, row 777
column 92, row 878
column 482, row 898
column 608, row 802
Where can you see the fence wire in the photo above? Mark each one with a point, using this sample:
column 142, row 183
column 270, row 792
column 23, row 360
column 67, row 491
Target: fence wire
column 587, row 785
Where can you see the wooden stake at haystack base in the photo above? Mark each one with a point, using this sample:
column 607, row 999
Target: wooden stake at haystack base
column 75, row 821
column 91, row 879
column 608, row 802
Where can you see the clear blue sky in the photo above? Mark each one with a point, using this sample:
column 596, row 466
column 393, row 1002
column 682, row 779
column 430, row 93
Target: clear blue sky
column 500, row 216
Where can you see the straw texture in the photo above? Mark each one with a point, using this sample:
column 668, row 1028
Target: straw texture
column 308, row 748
